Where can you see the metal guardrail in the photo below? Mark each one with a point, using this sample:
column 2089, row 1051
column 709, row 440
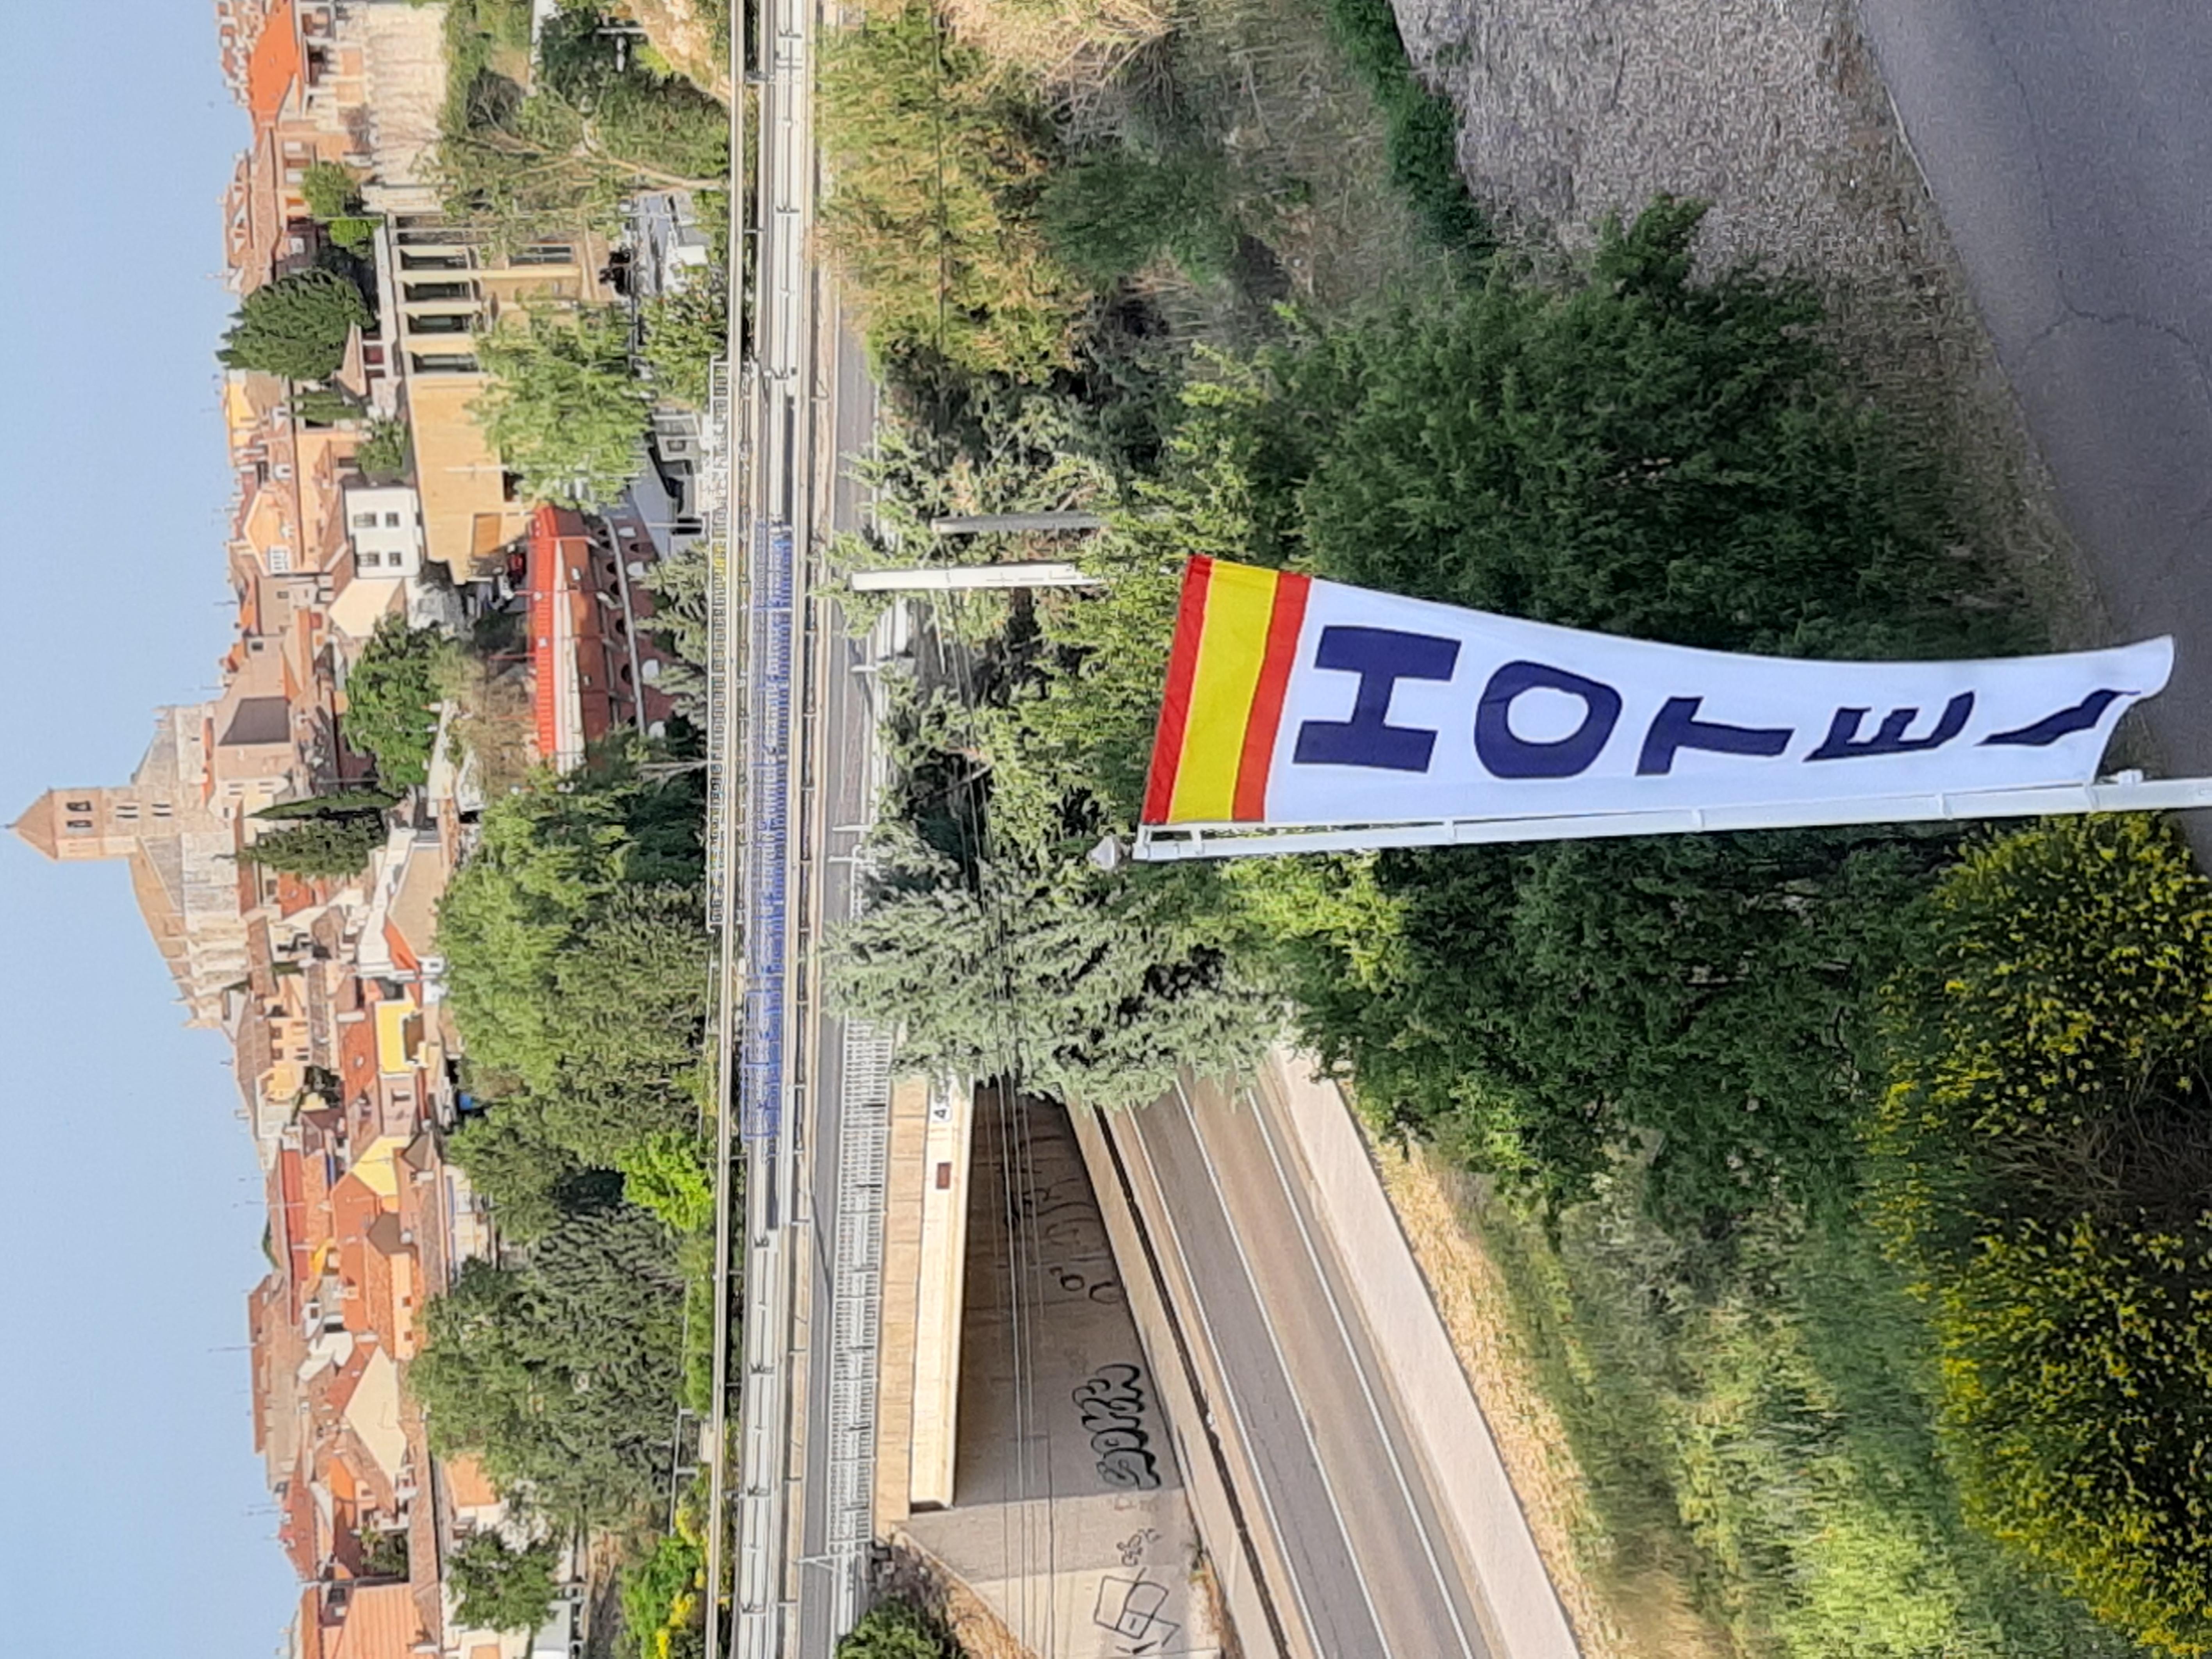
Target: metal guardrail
column 856, row 1314
column 715, row 521
column 771, row 577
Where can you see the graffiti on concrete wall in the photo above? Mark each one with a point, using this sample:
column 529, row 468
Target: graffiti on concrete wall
column 1134, row 1610
column 1111, row 1403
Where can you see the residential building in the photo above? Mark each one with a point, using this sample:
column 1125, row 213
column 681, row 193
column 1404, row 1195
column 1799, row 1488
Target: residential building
column 384, row 523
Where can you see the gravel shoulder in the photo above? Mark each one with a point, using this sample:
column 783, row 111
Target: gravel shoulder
column 1772, row 111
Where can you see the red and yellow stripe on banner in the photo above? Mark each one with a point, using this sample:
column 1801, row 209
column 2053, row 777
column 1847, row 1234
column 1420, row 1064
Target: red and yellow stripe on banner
column 1235, row 639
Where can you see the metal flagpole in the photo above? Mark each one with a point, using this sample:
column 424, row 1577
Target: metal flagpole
column 2127, row 792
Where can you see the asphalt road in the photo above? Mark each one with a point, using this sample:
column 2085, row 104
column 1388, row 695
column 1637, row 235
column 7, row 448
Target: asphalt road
column 841, row 728
column 1336, row 1479
column 2069, row 146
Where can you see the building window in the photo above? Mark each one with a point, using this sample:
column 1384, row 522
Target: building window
column 440, row 322
column 364, row 521
column 78, row 806
column 547, row 254
column 127, row 812
column 418, row 292
column 391, row 521
column 368, row 561
column 80, row 826
column 441, row 363
column 433, row 261
column 297, row 244
column 280, row 560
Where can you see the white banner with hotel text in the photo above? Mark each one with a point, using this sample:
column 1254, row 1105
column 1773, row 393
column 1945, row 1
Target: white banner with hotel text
column 1389, row 709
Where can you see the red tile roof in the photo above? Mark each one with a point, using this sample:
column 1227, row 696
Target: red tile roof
column 275, row 66
column 563, row 590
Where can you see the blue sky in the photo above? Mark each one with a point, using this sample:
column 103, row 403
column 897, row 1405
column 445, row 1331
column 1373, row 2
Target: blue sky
column 133, row 1513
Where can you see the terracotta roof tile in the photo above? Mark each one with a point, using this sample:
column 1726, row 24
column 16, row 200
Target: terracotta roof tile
column 273, row 66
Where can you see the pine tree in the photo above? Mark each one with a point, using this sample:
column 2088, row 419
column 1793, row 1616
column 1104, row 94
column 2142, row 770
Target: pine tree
column 334, row 846
column 296, row 326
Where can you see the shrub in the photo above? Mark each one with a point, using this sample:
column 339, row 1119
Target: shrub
column 387, row 452
column 939, row 164
column 1640, row 454
column 897, row 1630
column 1110, row 215
column 2044, row 1159
column 1423, row 142
column 663, row 1607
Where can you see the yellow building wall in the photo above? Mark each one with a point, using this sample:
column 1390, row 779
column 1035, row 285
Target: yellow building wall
column 457, row 474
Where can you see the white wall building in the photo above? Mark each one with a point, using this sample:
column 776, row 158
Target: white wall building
column 384, row 522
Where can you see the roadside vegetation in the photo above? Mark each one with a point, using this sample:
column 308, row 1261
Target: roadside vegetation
column 1810, row 1158
column 577, row 959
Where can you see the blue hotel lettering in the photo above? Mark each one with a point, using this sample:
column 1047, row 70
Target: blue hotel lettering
column 1383, row 656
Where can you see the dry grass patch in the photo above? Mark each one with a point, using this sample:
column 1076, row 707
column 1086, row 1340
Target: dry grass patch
column 1619, row 1611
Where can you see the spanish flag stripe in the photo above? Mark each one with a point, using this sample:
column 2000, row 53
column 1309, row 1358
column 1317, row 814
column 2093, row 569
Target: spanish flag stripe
column 1284, row 624
column 1232, row 647
column 1175, row 703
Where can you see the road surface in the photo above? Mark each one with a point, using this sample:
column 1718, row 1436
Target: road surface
column 1332, row 1472
column 2069, row 146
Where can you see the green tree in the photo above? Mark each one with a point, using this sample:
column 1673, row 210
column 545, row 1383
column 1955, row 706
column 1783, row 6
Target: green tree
column 561, row 1374
column 391, row 700
column 685, row 332
column 542, row 161
column 2043, row 1159
column 939, row 162
column 386, row 453
column 529, row 1178
column 325, row 405
column 499, row 1587
column 897, row 1630
column 296, row 326
column 563, row 409
column 336, row 846
column 1034, row 965
column 338, row 803
column 577, row 957
column 1638, row 453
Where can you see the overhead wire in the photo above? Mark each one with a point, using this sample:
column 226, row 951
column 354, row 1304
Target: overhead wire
column 1015, row 1147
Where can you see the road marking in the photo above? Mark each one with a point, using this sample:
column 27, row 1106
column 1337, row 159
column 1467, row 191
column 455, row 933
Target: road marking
column 1282, row 1363
column 1228, row 1388
column 1366, row 1389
